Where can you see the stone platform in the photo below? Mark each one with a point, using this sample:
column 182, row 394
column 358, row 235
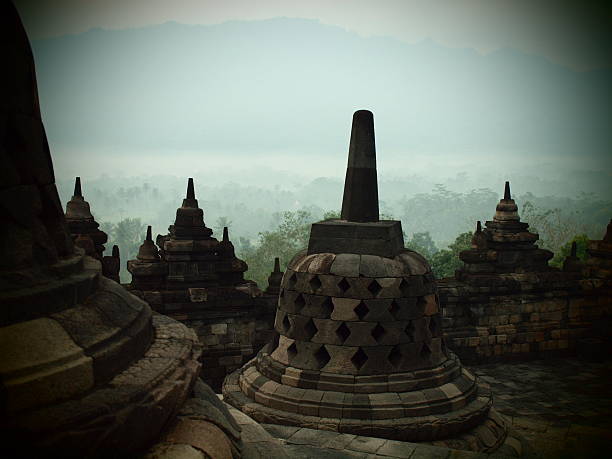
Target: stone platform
column 555, row 408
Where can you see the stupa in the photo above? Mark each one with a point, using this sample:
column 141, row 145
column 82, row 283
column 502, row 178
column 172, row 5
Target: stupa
column 190, row 268
column 506, row 302
column 504, row 246
column 81, row 222
column 195, row 278
column 360, row 347
column 86, row 369
column 275, row 278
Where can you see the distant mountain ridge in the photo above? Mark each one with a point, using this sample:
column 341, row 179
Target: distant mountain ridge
column 292, row 84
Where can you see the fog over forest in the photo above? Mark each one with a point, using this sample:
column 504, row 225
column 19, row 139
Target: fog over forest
column 259, row 113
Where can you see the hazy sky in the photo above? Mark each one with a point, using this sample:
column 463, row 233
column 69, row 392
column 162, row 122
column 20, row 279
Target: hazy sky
column 573, row 33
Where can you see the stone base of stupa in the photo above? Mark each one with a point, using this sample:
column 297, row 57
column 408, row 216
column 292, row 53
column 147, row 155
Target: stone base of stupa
column 146, row 365
column 463, row 419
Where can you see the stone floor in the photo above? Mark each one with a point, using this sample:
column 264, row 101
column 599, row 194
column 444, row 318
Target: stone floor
column 562, row 408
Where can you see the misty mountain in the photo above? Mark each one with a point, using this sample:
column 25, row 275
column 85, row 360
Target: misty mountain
column 291, row 85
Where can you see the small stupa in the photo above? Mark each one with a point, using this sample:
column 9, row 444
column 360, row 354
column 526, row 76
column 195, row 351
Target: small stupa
column 191, row 276
column 275, row 278
column 504, row 246
column 81, row 222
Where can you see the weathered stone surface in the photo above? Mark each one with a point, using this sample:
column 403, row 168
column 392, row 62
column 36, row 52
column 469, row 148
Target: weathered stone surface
column 41, row 364
column 360, row 343
column 506, row 303
column 204, row 436
column 82, row 366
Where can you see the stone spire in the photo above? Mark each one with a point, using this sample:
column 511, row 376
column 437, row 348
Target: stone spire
column 479, row 240
column 77, row 208
column 360, row 201
column 226, row 248
column 190, row 200
column 506, row 210
column 189, row 223
column 77, row 187
column 359, row 229
column 82, row 223
column 148, row 250
column 274, row 279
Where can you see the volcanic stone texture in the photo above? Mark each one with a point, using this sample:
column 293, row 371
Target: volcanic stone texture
column 82, row 223
column 505, row 302
column 360, row 351
column 85, row 369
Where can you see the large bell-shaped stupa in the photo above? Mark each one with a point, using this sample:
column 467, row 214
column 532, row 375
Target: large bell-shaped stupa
column 360, row 347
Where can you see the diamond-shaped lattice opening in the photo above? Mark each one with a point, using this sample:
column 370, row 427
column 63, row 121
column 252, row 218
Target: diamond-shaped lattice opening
column 299, row 302
column 292, row 350
column 374, row 288
column 404, row 288
column 425, row 351
column 322, row 357
column 395, row 356
column 409, row 330
column 292, row 280
column 311, row 329
column 315, row 283
column 361, row 310
column 394, row 309
column 359, row 358
column 343, row 332
column 286, row 324
column 378, row 333
column 433, row 326
column 344, row 285
column 327, row 306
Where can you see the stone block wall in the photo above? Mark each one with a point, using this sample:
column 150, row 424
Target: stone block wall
column 522, row 316
column 232, row 326
column 228, row 343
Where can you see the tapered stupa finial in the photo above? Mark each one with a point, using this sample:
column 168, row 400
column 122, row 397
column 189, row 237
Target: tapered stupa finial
column 190, row 191
column 276, row 265
column 573, row 250
column 360, row 201
column 507, row 195
column 225, row 234
column 149, row 237
column 478, row 227
column 115, row 252
column 77, row 187
column 608, row 236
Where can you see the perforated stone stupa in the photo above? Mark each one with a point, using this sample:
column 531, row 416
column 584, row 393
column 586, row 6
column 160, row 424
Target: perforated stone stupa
column 360, row 347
